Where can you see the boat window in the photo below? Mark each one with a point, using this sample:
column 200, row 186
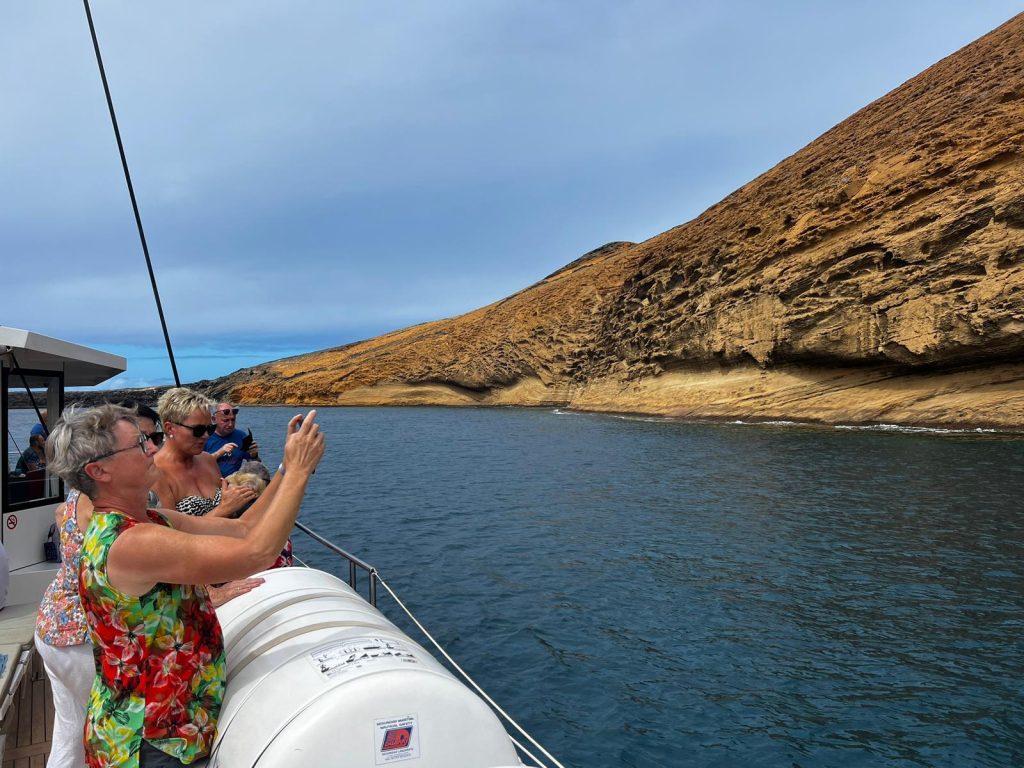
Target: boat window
column 31, row 403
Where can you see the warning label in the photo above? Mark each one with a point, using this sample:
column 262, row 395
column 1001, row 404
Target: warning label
column 395, row 739
column 346, row 656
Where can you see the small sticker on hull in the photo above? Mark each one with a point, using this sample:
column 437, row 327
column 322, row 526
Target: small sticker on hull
column 396, row 739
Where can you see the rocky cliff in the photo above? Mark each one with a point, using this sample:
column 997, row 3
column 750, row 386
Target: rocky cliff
column 875, row 275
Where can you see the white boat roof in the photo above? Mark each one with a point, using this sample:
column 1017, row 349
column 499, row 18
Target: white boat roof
column 82, row 366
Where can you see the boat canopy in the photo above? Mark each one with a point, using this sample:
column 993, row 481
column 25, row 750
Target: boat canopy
column 81, row 366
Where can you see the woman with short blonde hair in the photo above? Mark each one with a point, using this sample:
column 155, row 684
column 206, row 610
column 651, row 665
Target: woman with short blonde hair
column 178, row 402
column 190, row 480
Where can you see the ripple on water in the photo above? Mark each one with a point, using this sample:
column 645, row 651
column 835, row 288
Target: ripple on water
column 644, row 592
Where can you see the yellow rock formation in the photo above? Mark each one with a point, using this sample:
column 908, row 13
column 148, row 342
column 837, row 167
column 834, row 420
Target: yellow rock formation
column 874, row 276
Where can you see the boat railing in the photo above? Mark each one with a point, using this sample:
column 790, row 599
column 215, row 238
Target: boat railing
column 354, row 563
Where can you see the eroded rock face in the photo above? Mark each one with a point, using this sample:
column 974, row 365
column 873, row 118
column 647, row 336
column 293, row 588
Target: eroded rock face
column 895, row 238
column 893, row 244
column 527, row 348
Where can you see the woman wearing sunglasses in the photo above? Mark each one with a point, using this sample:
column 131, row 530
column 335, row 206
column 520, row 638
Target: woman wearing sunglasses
column 190, row 480
column 62, row 636
column 159, row 656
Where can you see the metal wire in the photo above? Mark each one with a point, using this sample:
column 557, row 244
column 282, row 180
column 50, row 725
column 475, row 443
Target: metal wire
column 471, row 681
column 131, row 193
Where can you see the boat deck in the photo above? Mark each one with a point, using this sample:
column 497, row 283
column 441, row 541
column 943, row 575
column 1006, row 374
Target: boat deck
column 26, row 729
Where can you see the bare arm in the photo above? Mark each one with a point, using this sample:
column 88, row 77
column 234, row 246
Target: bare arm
column 147, row 554
column 222, row 526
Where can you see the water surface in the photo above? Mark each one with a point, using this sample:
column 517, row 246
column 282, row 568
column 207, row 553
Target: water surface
column 651, row 593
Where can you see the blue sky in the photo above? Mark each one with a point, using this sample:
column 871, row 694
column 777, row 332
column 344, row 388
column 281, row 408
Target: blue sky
column 310, row 174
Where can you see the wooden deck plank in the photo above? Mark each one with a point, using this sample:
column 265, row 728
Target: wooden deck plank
column 24, row 735
column 29, row 722
column 30, row 751
column 38, row 711
column 49, row 709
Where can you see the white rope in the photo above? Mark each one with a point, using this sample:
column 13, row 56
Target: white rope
column 488, row 699
column 526, row 752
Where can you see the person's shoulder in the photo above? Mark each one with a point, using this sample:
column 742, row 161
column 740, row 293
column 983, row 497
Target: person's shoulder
column 105, row 526
column 207, row 461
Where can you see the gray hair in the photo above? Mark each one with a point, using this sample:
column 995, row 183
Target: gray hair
column 257, row 468
column 79, row 437
column 178, row 402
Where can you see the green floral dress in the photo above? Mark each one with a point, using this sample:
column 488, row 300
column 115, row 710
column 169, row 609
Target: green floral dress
column 159, row 660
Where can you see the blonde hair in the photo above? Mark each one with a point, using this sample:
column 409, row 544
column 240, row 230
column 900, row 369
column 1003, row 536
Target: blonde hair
column 249, row 480
column 178, row 402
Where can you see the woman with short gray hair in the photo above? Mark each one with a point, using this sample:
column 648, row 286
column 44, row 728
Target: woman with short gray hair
column 159, row 651
column 62, row 635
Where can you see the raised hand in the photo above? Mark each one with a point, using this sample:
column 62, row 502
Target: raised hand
column 304, row 445
column 224, row 450
column 233, row 498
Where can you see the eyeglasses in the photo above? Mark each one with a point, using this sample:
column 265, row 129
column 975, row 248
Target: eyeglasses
column 227, row 411
column 198, row 430
column 140, row 444
column 157, row 438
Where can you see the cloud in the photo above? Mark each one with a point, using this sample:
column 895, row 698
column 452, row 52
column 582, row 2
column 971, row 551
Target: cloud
column 315, row 177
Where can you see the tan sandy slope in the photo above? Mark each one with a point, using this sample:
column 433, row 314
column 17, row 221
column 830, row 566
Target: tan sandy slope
column 876, row 275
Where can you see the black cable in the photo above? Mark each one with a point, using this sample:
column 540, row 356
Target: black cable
column 31, row 397
column 131, row 193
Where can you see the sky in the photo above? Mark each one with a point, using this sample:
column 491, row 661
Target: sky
column 310, row 174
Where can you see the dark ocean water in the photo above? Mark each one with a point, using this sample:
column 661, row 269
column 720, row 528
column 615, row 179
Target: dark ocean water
column 652, row 593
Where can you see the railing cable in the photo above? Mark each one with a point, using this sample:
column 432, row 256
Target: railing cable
column 31, row 397
column 471, row 681
column 375, row 577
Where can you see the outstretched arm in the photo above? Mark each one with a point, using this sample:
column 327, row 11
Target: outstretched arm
column 202, row 552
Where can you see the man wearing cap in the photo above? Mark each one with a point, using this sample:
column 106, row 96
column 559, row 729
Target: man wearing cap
column 39, row 428
column 226, row 442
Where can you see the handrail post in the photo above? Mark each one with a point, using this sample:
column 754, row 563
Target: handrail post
column 353, row 562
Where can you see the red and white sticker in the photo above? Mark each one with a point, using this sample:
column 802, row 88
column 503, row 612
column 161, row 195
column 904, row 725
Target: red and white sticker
column 396, row 739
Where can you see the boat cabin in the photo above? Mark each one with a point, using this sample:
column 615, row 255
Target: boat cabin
column 35, row 372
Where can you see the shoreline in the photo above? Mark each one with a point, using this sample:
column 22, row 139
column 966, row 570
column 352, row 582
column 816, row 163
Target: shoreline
column 981, row 398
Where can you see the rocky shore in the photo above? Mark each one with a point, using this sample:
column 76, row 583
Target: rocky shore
column 877, row 275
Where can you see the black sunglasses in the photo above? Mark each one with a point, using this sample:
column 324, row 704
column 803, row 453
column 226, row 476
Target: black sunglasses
column 198, row 430
column 156, row 437
column 226, row 411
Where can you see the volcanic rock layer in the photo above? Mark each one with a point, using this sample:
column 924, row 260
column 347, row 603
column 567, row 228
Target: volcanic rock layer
column 875, row 275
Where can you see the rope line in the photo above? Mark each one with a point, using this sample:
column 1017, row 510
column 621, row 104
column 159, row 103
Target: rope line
column 525, row 751
column 131, row 193
column 28, row 391
column 471, row 681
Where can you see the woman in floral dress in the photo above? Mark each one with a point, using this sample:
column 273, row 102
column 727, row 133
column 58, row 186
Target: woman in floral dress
column 62, row 636
column 158, row 647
